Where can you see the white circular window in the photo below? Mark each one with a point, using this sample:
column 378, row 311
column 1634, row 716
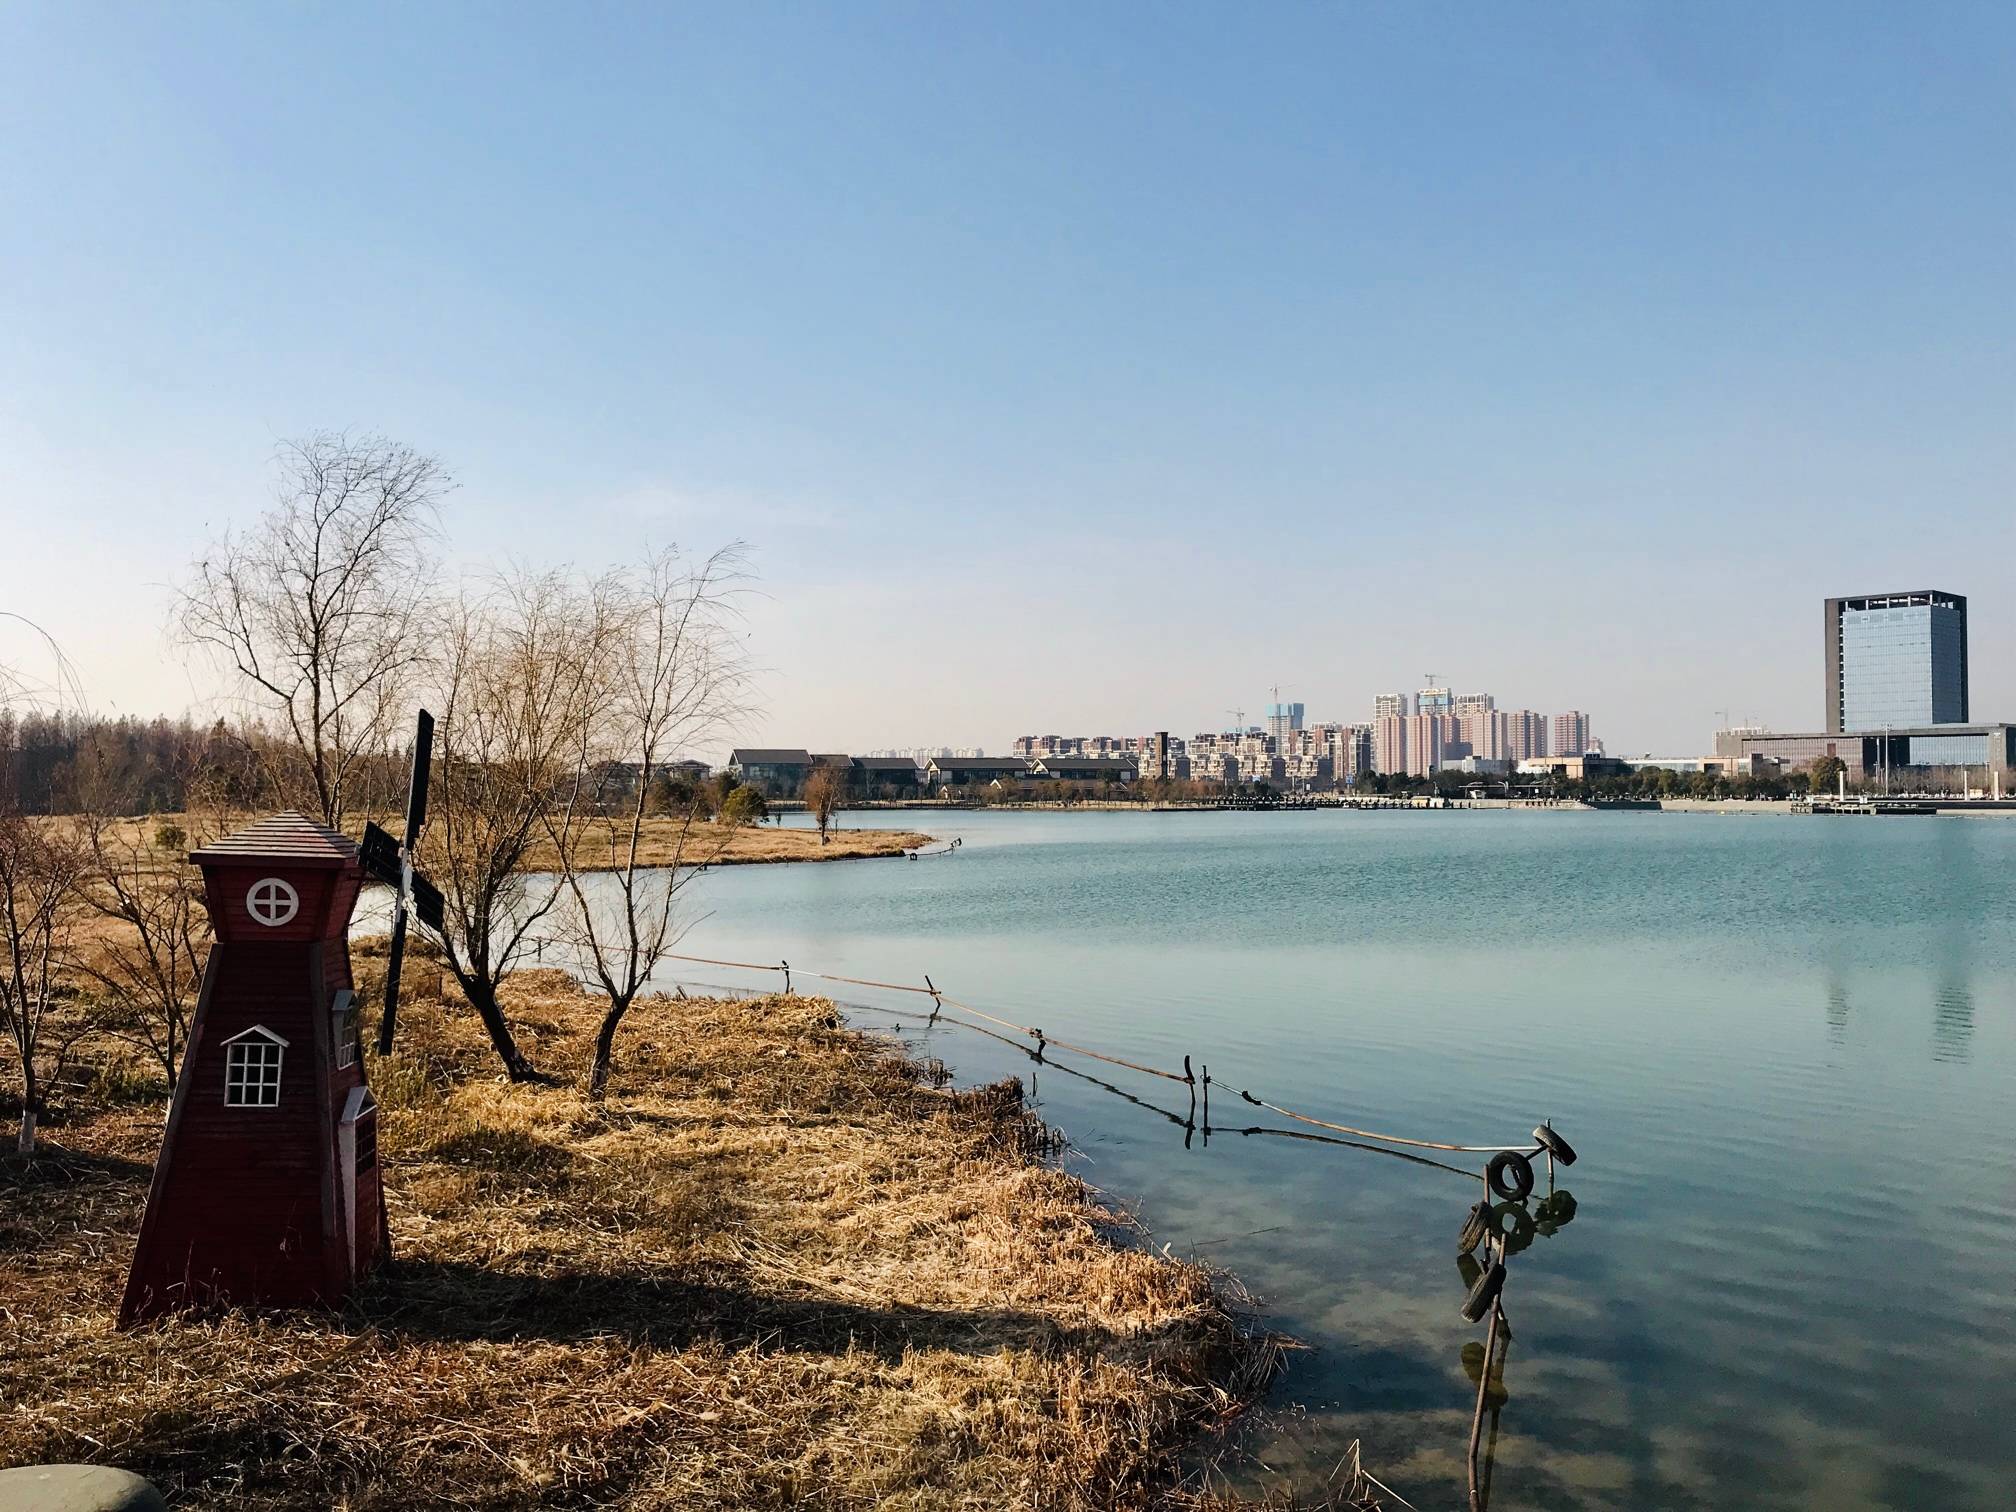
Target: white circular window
column 272, row 902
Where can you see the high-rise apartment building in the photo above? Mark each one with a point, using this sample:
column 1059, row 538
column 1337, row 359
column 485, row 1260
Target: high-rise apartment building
column 1522, row 734
column 1434, row 701
column 1896, row 659
column 1426, row 736
column 1389, row 743
column 1479, row 728
column 1390, row 706
column 1283, row 719
column 1351, row 753
column 1473, row 725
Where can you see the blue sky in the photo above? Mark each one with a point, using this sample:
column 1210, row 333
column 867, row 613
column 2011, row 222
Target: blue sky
column 1071, row 368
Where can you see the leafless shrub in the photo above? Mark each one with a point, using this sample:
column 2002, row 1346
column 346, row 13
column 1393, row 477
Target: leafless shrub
column 825, row 788
column 39, row 866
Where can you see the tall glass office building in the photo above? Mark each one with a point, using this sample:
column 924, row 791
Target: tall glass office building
column 1896, row 660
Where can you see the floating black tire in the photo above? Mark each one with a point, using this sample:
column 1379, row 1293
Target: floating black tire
column 1510, row 1175
column 1513, row 1225
column 1554, row 1144
column 1468, row 1270
column 1475, row 1226
column 1485, row 1292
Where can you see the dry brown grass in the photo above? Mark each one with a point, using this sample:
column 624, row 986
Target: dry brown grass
column 713, row 844
column 726, row 845
column 776, row 1268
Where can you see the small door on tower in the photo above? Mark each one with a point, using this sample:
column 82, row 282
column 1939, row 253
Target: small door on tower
column 357, row 1144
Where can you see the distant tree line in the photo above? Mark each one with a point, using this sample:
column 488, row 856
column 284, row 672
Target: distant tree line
column 149, row 766
column 1662, row 782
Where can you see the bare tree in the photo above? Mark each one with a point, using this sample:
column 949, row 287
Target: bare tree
column 320, row 608
column 672, row 673
column 22, row 685
column 825, row 787
column 38, row 874
column 38, row 870
column 147, row 957
column 520, row 673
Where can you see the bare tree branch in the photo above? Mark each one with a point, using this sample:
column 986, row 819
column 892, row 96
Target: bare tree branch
column 322, row 608
column 39, row 865
column 148, row 954
column 520, row 674
column 671, row 673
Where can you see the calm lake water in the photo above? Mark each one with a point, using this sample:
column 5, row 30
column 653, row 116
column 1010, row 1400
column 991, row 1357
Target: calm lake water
column 1784, row 1047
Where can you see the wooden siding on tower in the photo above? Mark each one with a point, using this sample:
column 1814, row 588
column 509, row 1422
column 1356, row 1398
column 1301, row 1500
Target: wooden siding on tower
column 245, row 1203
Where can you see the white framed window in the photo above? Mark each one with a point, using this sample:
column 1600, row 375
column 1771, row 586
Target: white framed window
column 252, row 1068
column 343, row 1027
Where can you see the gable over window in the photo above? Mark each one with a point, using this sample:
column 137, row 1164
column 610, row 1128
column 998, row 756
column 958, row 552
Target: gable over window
column 252, row 1068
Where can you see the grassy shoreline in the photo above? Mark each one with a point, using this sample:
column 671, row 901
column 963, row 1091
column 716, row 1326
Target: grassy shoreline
column 781, row 1265
column 753, row 845
column 662, row 839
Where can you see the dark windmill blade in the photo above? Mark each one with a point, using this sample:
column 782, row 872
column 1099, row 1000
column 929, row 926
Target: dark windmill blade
column 428, row 903
column 380, row 854
column 411, row 892
column 416, row 788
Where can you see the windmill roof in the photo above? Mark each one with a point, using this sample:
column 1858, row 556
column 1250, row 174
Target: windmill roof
column 291, row 837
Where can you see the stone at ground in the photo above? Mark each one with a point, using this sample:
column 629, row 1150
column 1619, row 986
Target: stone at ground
column 76, row 1488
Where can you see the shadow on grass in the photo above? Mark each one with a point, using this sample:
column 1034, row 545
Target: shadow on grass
column 52, row 1167
column 449, row 1301
column 55, row 1192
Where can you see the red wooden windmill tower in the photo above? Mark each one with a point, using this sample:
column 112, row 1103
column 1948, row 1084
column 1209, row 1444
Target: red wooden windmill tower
column 267, row 1189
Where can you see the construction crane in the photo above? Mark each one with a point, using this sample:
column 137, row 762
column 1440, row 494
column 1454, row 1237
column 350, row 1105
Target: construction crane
column 1238, row 719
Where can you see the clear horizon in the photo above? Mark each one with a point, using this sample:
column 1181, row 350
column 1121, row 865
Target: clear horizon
column 1069, row 372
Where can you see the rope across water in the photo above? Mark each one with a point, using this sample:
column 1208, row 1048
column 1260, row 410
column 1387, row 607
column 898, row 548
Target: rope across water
column 1045, row 1041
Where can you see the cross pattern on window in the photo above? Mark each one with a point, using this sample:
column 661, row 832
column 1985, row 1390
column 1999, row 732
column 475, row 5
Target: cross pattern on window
column 272, row 901
column 252, row 1073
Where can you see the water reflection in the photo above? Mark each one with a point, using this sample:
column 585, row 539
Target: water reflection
column 1510, row 1227
column 1484, row 1364
column 1953, row 996
column 1952, row 1021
